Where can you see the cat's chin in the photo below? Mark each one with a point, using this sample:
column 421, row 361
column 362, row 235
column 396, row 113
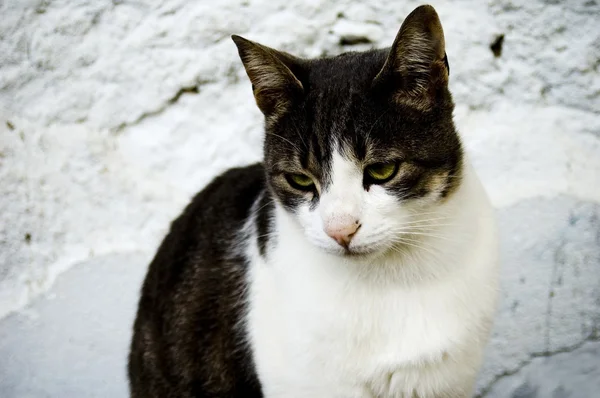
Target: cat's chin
column 355, row 252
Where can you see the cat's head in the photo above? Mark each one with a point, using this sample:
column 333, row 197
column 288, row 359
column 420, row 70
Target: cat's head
column 361, row 147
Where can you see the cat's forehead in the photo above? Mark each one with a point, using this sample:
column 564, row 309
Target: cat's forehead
column 341, row 112
column 361, row 129
column 347, row 71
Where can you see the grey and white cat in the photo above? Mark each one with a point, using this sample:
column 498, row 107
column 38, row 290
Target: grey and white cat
column 358, row 260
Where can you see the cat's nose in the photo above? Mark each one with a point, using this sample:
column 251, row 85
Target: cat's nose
column 343, row 232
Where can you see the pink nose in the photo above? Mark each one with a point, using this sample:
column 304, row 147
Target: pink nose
column 342, row 233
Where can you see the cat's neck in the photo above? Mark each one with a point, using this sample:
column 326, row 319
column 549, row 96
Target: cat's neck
column 434, row 254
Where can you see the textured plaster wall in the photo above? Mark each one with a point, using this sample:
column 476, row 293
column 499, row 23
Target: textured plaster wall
column 113, row 113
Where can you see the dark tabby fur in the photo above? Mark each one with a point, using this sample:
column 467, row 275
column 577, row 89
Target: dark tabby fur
column 189, row 338
column 187, row 342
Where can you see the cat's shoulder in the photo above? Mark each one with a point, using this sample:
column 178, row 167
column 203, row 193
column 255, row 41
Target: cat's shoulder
column 226, row 200
column 235, row 188
column 210, row 223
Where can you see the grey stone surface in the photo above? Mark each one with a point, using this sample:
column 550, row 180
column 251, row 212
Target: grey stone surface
column 571, row 374
column 550, row 282
column 73, row 341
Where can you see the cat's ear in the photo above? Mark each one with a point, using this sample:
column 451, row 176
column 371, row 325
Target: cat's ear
column 416, row 68
column 274, row 84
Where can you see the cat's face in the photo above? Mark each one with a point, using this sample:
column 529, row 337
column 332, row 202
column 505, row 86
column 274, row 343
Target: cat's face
column 360, row 148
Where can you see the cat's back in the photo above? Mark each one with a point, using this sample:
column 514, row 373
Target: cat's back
column 187, row 327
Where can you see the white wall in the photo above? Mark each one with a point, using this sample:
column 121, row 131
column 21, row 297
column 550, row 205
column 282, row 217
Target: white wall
column 114, row 113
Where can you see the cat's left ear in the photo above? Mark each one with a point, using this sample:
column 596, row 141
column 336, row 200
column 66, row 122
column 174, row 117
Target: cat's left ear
column 416, row 68
column 273, row 75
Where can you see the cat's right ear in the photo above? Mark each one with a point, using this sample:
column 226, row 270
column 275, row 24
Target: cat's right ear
column 274, row 84
column 416, row 70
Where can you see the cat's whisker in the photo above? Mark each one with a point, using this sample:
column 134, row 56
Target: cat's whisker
column 430, row 224
column 269, row 235
column 423, row 225
column 299, row 134
column 429, row 213
column 460, row 236
column 368, row 135
column 270, row 202
column 454, row 176
column 420, row 247
column 434, row 236
column 425, row 221
column 399, row 250
column 255, row 212
column 285, row 139
column 432, row 217
column 419, row 227
column 432, row 249
column 401, row 238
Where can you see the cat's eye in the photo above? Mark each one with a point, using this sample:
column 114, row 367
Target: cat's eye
column 379, row 173
column 300, row 181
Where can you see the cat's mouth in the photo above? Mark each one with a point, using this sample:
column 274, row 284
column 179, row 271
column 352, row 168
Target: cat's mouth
column 352, row 250
column 353, row 253
column 360, row 251
column 349, row 252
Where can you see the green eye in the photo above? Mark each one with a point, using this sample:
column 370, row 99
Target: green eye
column 381, row 172
column 300, row 181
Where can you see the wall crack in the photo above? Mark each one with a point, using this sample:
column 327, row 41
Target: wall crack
column 171, row 101
column 594, row 336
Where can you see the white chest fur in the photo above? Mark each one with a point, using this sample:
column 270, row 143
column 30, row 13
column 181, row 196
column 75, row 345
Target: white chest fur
column 405, row 325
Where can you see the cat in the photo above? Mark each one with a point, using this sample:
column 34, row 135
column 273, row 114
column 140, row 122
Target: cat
column 358, row 260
